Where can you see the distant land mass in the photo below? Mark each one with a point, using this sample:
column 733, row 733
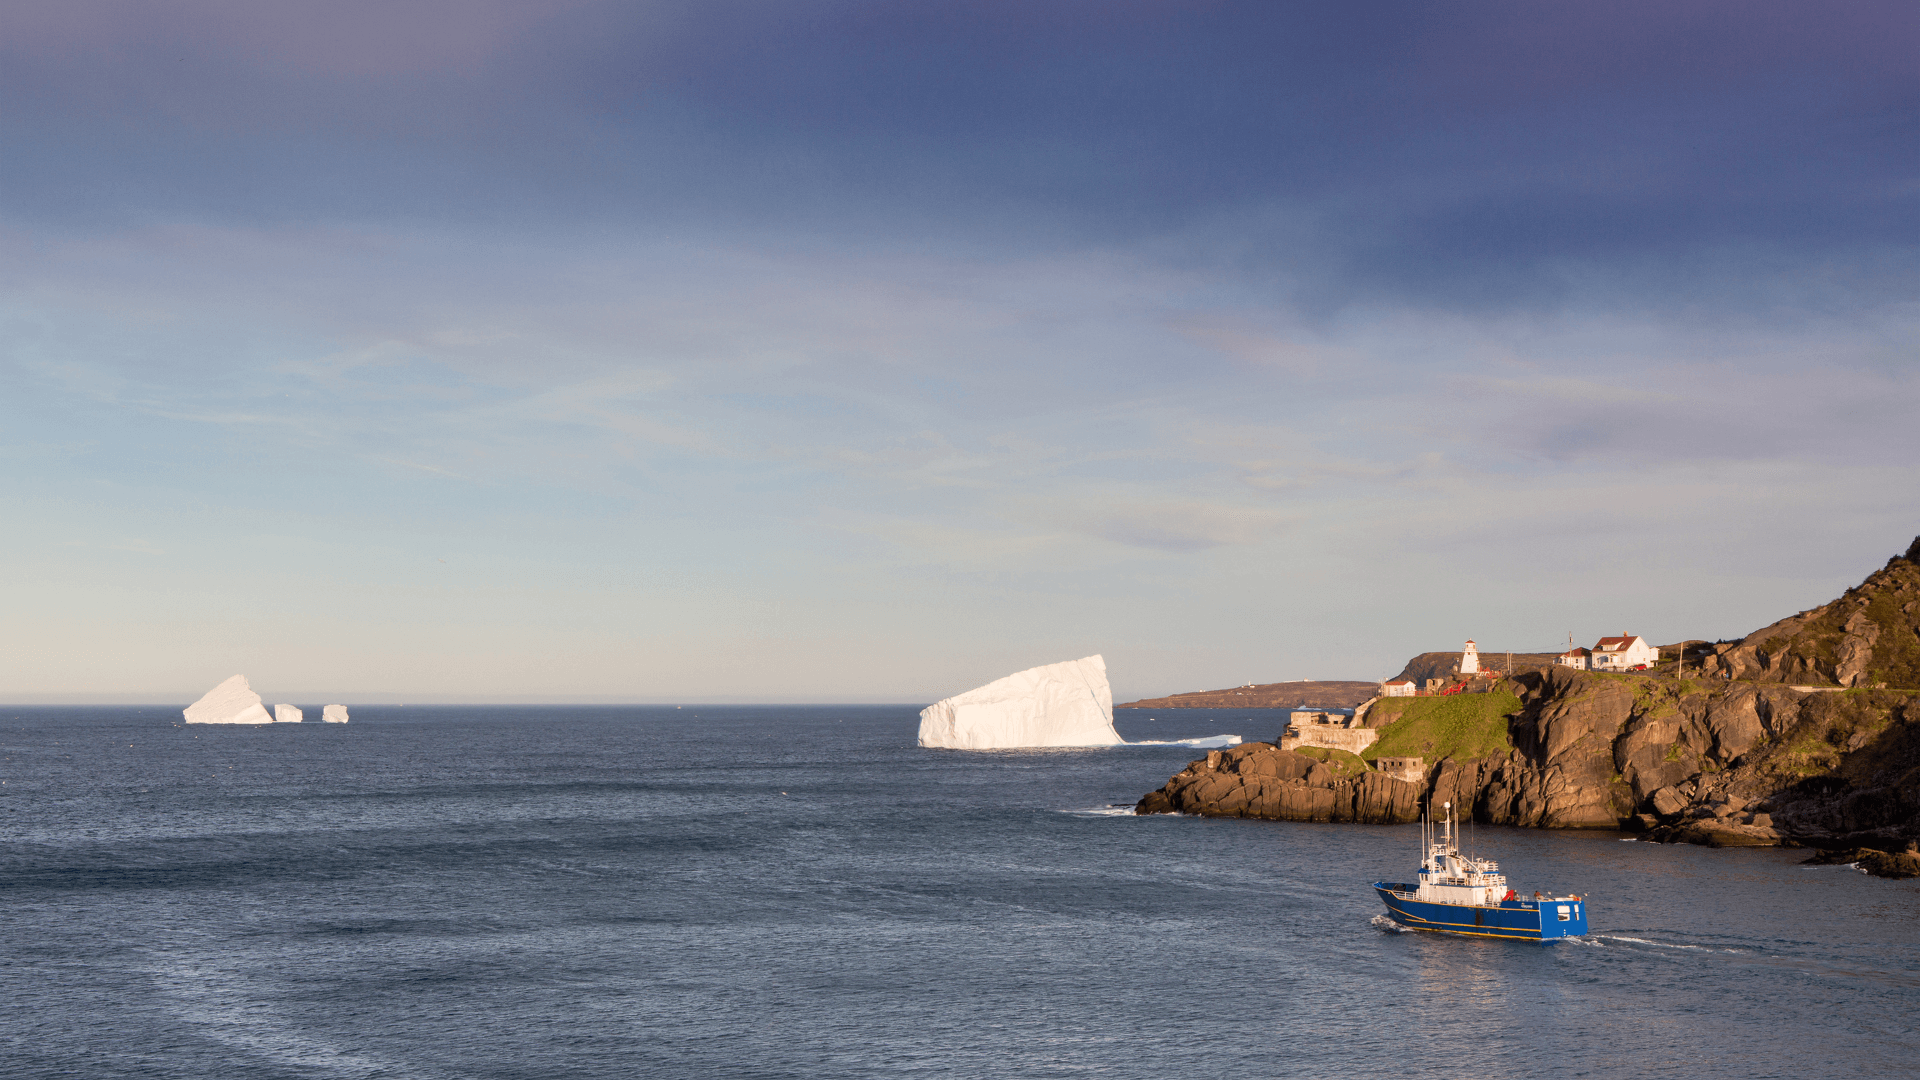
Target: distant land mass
column 1440, row 665
column 1308, row 693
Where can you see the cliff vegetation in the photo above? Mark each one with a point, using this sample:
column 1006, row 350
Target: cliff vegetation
column 1460, row 726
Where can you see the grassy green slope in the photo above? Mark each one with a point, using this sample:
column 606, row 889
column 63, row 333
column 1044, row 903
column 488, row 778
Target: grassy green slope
column 1465, row 726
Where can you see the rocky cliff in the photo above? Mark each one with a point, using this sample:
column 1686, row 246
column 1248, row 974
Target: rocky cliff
column 1757, row 760
column 1721, row 763
column 1868, row 637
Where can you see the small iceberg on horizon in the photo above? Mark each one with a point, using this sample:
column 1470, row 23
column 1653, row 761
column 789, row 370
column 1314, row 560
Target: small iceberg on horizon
column 287, row 714
column 334, row 714
column 232, row 702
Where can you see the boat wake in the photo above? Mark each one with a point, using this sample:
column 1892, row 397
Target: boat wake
column 1623, row 939
column 1109, row 810
column 1388, row 926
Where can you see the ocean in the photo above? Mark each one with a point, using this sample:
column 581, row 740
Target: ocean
column 789, row 892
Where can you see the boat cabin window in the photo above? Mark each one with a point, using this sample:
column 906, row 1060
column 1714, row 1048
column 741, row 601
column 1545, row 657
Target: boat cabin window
column 1564, row 917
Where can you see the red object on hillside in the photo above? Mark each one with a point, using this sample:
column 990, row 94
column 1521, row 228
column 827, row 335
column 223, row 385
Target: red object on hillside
column 1456, row 688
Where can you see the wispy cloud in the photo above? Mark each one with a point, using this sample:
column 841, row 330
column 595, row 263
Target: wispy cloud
column 136, row 546
column 1044, row 338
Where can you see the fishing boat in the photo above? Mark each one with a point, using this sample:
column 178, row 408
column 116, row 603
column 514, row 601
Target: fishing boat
column 1461, row 895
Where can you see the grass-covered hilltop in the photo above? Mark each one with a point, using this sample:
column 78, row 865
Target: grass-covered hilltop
column 1805, row 732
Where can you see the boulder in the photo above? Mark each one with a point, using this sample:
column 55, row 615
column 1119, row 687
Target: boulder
column 1668, row 801
column 232, row 702
column 1884, row 864
column 1898, row 866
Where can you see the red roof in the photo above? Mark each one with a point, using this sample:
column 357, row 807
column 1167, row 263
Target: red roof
column 1400, row 682
column 1578, row 652
column 1615, row 644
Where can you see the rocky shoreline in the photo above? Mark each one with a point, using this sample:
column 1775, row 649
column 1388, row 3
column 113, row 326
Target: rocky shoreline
column 1725, row 762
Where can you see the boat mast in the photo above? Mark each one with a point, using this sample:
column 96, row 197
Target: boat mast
column 1426, row 837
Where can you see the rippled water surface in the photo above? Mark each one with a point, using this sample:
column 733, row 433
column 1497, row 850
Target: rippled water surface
column 801, row 892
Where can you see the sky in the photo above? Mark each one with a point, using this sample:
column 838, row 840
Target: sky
column 862, row 351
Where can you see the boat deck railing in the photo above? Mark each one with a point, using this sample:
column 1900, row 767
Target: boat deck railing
column 1523, row 905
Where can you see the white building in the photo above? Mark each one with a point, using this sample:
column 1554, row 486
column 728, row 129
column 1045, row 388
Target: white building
column 1581, row 659
column 1403, row 688
column 1470, row 660
column 1623, row 653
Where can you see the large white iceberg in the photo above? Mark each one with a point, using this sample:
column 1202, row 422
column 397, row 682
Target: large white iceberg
column 1067, row 704
column 287, row 714
column 334, row 714
column 232, row 702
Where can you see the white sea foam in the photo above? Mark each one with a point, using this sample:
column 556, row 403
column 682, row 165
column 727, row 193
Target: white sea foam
column 1211, row 742
column 228, row 1007
column 1109, row 810
column 1386, row 925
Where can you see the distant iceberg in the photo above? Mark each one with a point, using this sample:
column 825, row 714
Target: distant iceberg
column 1066, row 704
column 287, row 714
column 232, row 702
column 334, row 714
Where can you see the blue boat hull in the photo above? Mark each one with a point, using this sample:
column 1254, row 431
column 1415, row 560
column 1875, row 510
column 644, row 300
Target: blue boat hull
column 1518, row 920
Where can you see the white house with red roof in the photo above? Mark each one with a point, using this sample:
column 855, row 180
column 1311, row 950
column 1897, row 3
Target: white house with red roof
column 1623, row 653
column 1575, row 658
column 1398, row 688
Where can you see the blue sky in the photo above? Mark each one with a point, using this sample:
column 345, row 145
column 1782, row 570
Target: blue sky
column 861, row 351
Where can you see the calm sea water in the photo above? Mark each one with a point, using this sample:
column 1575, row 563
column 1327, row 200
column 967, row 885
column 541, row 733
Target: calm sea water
column 801, row 892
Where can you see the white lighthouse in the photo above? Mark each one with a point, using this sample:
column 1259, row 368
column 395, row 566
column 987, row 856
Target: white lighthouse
column 1470, row 660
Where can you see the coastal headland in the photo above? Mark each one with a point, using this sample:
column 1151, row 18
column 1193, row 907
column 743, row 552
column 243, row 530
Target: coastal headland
column 1303, row 693
column 1804, row 733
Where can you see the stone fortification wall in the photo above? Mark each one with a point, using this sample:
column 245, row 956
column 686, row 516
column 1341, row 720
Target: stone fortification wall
column 1411, row 769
